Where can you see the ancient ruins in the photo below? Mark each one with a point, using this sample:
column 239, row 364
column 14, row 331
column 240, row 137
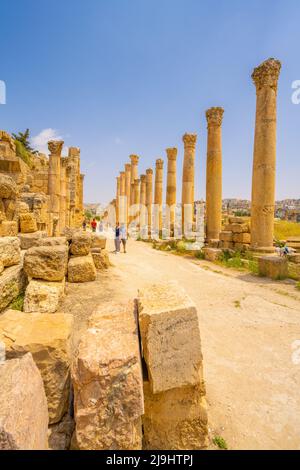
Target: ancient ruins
column 134, row 379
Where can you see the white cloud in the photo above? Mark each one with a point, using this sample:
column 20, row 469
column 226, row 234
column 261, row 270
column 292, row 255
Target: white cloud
column 40, row 141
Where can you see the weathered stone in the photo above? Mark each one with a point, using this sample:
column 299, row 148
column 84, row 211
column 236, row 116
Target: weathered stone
column 294, row 271
column 23, row 406
column 1, row 266
column 226, row 236
column 81, row 244
column 101, row 259
column 238, row 228
column 81, row 269
column 28, row 240
column 212, row 254
column 226, row 245
column 27, row 223
column 48, row 338
column 274, row 267
column 60, row 434
column 213, row 243
column 51, row 241
column 8, row 187
column 107, row 378
column 8, row 228
column 242, row 246
column 242, row 237
column 43, row 296
column 167, row 317
column 294, row 258
column 236, row 220
column 98, row 241
column 10, row 208
column 175, row 419
column 46, row 262
column 12, row 284
column 10, row 252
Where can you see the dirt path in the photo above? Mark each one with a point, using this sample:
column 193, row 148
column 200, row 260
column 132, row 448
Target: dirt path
column 248, row 326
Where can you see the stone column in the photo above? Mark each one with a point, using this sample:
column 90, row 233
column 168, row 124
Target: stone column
column 188, row 176
column 265, row 78
column 122, row 199
column 67, row 214
column 55, row 148
column 134, row 173
column 74, row 165
column 136, row 200
column 118, row 199
column 214, row 118
column 158, row 194
column 63, row 195
column 149, row 196
column 143, row 208
column 81, row 202
column 127, row 185
column 171, row 186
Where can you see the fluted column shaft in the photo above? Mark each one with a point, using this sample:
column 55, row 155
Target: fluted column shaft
column 171, row 184
column 134, row 173
column 55, row 148
column 149, row 196
column 188, row 176
column 158, row 193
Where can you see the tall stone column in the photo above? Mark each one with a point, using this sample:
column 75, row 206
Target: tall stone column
column 122, row 199
column 118, row 199
column 188, row 177
column 81, row 202
column 143, row 208
column 149, row 196
column 55, row 148
column 265, row 78
column 74, row 165
column 171, row 186
column 127, row 186
column 67, row 214
column 136, row 200
column 158, row 194
column 134, row 173
column 63, row 195
column 214, row 118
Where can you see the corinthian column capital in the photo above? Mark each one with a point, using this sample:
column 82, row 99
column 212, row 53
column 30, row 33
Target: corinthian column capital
column 55, row 147
column 134, row 159
column 149, row 171
column 171, row 153
column 159, row 164
column 189, row 140
column 267, row 74
column 214, row 116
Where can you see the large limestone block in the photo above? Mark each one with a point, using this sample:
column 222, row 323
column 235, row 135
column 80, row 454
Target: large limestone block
column 175, row 419
column 294, row 258
column 274, row 267
column 236, row 220
column 167, row 317
column 46, row 262
column 1, row 266
column 8, row 187
column 81, row 269
column 43, row 296
column 52, row 241
column 238, row 228
column 212, row 254
column 242, row 237
column 9, row 228
column 23, row 406
column 49, row 339
column 81, row 244
column 98, row 241
column 10, row 252
column 27, row 223
column 101, row 259
column 28, row 240
column 226, row 236
column 12, row 284
column 107, row 379
column 10, row 208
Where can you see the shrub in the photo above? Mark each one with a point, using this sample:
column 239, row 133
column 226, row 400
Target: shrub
column 18, row 303
column 23, row 153
column 220, row 442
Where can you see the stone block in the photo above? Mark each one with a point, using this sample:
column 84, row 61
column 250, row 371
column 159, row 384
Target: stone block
column 9, row 228
column 167, row 317
column 27, row 223
column 294, row 258
column 236, row 220
column 294, row 271
column 46, row 262
column 8, row 187
column 52, row 241
column 213, row 243
column 81, row 269
column 81, row 244
column 226, row 245
column 241, row 247
column 49, row 339
column 212, row 254
column 175, row 419
column 28, row 240
column 12, row 284
column 107, row 379
column 238, row 228
column 226, row 236
column 242, row 237
column 1, row 267
column 23, row 406
column 43, row 296
column 10, row 252
column 98, row 241
column 101, row 259
column 274, row 267
column 60, row 434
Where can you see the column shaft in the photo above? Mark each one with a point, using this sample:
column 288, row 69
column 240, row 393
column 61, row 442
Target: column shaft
column 171, row 185
column 188, row 176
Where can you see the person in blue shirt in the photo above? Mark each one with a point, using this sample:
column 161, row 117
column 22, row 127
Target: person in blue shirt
column 123, row 236
column 117, row 238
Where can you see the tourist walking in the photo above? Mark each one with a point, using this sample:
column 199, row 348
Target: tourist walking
column 117, row 238
column 123, row 236
column 84, row 225
column 94, row 224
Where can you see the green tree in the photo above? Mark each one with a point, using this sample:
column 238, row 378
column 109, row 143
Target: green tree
column 24, row 138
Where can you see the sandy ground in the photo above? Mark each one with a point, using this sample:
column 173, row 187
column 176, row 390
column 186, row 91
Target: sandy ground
column 248, row 326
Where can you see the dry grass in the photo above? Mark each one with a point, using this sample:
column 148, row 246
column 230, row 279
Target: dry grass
column 284, row 229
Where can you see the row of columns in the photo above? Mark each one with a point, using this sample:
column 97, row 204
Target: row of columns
column 139, row 192
column 65, row 187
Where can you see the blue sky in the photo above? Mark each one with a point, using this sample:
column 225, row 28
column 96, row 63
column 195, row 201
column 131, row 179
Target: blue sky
column 116, row 77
